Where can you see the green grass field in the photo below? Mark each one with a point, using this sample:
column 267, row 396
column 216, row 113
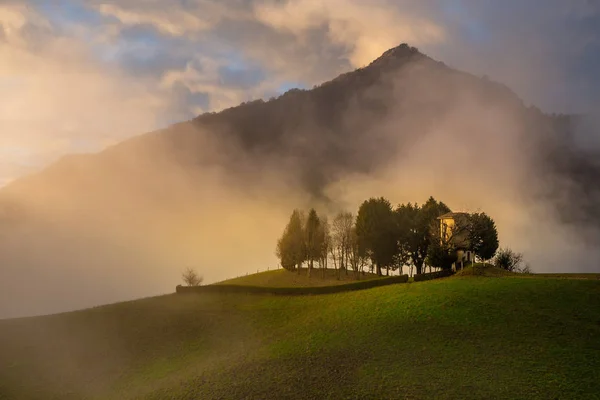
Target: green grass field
column 569, row 276
column 453, row 338
column 489, row 270
column 284, row 278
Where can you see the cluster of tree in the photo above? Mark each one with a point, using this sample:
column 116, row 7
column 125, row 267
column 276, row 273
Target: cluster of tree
column 384, row 238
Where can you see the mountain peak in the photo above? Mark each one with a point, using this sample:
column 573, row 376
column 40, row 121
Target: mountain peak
column 397, row 54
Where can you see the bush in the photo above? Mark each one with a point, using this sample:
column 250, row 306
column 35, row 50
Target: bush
column 432, row 275
column 509, row 260
column 293, row 290
column 191, row 277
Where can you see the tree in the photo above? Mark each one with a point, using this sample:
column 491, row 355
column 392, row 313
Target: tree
column 325, row 241
column 425, row 221
column 376, row 231
column 441, row 254
column 407, row 234
column 357, row 254
column 191, row 277
column 291, row 247
column 343, row 224
column 313, row 239
column 510, row 261
column 483, row 235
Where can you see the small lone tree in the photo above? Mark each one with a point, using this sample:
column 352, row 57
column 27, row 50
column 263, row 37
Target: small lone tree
column 191, row 277
column 509, row 260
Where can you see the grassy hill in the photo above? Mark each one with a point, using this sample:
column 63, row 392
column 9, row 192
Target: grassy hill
column 488, row 270
column 455, row 338
column 284, row 278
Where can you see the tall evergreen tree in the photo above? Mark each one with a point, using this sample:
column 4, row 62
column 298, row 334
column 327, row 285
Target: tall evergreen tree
column 312, row 239
column 376, row 231
column 291, row 247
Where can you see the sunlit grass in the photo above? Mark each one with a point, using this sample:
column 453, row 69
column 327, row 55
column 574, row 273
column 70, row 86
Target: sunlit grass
column 454, row 338
column 284, row 278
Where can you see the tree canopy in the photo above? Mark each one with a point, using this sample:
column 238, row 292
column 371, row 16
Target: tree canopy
column 291, row 247
column 409, row 235
column 483, row 235
column 376, row 231
column 313, row 238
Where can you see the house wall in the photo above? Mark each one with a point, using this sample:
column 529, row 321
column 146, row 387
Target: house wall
column 446, row 226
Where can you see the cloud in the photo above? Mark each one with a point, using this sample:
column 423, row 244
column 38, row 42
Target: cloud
column 75, row 88
column 56, row 97
column 125, row 67
column 172, row 20
column 547, row 51
column 366, row 30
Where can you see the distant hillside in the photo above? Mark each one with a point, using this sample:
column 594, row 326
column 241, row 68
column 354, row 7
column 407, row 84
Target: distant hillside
column 330, row 130
column 342, row 126
column 81, row 231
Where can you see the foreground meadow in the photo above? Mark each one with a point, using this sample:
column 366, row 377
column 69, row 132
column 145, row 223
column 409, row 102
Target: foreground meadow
column 454, row 338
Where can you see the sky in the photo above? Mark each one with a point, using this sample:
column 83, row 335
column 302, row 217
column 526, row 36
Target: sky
column 79, row 75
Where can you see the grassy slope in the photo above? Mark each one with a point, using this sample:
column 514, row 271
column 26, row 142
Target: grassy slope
column 489, row 270
column 284, row 278
column 452, row 338
column 570, row 276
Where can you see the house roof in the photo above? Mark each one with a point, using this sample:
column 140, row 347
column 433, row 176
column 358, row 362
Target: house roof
column 452, row 215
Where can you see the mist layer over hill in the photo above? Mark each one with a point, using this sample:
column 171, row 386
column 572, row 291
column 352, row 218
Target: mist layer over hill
column 214, row 193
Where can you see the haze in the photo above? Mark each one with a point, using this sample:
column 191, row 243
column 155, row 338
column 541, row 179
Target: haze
column 86, row 75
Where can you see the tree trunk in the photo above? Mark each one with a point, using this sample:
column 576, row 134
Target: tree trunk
column 419, row 267
column 333, row 257
column 387, row 271
column 346, row 261
column 378, row 269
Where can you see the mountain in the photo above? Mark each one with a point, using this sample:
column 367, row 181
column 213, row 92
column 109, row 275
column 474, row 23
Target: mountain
column 214, row 192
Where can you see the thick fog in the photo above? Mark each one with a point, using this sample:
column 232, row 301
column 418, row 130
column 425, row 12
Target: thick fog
column 124, row 223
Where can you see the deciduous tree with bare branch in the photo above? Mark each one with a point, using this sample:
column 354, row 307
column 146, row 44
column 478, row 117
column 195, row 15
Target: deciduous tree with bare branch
column 191, row 277
column 325, row 241
column 342, row 227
